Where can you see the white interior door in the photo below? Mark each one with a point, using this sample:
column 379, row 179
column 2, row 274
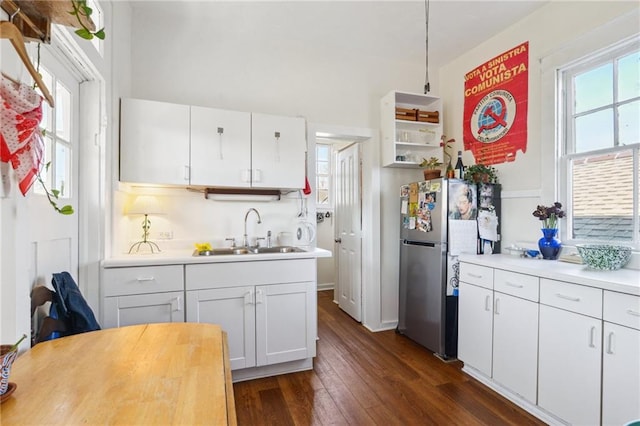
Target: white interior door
column 54, row 236
column 349, row 231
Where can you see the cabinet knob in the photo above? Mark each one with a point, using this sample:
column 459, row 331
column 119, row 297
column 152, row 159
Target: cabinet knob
column 338, row 240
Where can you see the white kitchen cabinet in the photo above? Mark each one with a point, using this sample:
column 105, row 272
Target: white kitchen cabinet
column 515, row 332
column 171, row 144
column 267, row 308
column 406, row 142
column 498, row 330
column 621, row 359
column 570, row 351
column 145, row 294
column 515, row 344
column 120, row 311
column 220, row 147
column 278, row 150
column 475, row 324
column 234, row 309
column 154, row 142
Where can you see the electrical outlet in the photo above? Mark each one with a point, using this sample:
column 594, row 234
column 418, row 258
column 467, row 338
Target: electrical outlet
column 165, row 235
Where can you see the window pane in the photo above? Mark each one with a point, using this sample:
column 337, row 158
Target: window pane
column 323, row 168
column 629, row 77
column 44, row 173
column 594, row 88
column 323, row 196
column 594, row 131
column 46, row 108
column 63, row 112
column 323, row 182
column 63, row 170
column 322, row 152
column 629, row 122
column 602, row 197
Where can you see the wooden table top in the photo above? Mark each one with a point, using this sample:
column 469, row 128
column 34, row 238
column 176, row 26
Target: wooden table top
column 174, row 373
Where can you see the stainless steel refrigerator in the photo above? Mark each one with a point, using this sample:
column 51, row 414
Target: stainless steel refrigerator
column 439, row 221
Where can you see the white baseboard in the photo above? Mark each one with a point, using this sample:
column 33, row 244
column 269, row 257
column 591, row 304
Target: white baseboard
column 325, row 286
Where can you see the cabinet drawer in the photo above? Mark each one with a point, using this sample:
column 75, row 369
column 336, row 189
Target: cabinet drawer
column 623, row 309
column 571, row 297
column 143, row 279
column 519, row 285
column 214, row 275
column 475, row 274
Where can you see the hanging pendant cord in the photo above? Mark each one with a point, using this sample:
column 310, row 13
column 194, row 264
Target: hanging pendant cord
column 427, row 87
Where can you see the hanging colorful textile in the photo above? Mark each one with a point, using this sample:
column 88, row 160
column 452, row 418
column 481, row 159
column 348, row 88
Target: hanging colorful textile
column 21, row 141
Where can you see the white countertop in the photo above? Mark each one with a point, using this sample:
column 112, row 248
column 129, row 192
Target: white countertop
column 623, row 280
column 184, row 257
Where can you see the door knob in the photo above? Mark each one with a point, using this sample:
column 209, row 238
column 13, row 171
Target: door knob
column 338, row 240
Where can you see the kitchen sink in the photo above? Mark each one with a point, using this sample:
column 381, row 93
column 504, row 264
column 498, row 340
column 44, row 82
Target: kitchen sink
column 248, row 250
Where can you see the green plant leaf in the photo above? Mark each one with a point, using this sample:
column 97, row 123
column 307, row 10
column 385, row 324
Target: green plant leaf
column 87, row 10
column 100, row 34
column 66, row 210
column 55, row 193
column 84, row 33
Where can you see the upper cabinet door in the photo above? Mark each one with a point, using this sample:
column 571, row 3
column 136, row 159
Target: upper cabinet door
column 154, row 142
column 220, row 147
column 278, row 151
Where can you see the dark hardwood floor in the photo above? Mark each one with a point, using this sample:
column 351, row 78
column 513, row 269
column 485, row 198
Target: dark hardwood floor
column 365, row 378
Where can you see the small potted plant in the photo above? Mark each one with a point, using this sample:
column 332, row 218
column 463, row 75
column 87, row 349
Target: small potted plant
column 431, row 168
column 479, row 173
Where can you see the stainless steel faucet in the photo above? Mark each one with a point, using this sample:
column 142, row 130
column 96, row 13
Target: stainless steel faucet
column 245, row 237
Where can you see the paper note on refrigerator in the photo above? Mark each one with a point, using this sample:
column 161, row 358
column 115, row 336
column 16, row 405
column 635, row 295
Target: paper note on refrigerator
column 463, row 236
column 488, row 225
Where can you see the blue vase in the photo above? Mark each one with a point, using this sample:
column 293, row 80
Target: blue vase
column 549, row 245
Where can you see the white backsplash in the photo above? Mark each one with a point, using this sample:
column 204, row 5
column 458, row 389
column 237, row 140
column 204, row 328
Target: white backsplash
column 191, row 218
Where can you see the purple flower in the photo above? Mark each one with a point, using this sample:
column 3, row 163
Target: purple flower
column 549, row 215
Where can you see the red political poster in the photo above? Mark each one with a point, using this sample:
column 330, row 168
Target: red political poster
column 496, row 95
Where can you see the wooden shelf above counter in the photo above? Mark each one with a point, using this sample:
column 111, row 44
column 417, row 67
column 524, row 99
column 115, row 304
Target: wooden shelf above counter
column 34, row 17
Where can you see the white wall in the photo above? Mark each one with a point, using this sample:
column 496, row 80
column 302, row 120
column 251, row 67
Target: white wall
column 558, row 26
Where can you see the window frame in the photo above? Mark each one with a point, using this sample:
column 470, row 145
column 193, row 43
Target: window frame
column 566, row 149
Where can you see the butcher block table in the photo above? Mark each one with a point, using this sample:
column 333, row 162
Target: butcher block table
column 175, row 373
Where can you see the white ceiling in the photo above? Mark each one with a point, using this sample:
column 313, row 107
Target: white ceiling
column 389, row 29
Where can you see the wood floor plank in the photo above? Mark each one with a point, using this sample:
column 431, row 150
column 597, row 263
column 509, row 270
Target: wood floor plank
column 365, row 378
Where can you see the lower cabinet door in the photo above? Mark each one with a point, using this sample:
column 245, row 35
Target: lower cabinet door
column 285, row 322
column 475, row 323
column 515, row 344
column 569, row 369
column 233, row 309
column 620, row 373
column 120, row 311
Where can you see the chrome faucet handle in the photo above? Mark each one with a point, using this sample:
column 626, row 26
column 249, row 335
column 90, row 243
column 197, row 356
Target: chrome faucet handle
column 269, row 239
column 233, row 241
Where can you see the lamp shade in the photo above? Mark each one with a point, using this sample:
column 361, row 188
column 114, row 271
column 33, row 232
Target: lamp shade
column 145, row 204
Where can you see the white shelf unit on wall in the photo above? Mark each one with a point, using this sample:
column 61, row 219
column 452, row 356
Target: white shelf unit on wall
column 405, row 142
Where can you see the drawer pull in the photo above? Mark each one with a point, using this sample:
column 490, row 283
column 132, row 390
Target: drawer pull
column 141, row 279
column 474, row 275
column 497, row 307
column 487, row 303
column 248, row 298
column 259, row 296
column 176, row 304
column 592, row 337
column 565, row 297
column 634, row 313
column 510, row 284
column 610, row 343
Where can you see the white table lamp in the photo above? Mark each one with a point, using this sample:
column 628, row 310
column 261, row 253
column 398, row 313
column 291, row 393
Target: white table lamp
column 145, row 205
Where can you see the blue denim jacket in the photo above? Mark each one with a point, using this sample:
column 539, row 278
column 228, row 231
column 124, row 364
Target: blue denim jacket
column 70, row 306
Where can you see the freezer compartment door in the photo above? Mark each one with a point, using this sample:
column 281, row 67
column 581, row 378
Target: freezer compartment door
column 422, row 294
